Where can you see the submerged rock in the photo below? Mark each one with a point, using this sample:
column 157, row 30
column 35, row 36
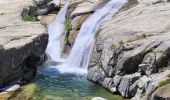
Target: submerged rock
column 7, row 92
column 5, row 95
column 98, row 98
column 11, row 88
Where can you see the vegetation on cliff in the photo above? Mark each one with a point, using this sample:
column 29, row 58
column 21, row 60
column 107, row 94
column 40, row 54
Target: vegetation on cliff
column 26, row 17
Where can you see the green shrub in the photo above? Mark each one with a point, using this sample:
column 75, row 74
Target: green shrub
column 26, row 17
column 164, row 82
column 68, row 26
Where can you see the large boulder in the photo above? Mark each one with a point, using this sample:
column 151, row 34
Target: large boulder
column 162, row 93
column 135, row 40
column 86, row 7
column 22, row 44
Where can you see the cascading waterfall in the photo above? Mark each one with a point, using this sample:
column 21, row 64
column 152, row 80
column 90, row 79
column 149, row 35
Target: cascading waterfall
column 77, row 62
column 85, row 40
column 55, row 31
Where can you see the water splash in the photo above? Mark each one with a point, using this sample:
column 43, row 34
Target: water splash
column 78, row 60
column 55, row 31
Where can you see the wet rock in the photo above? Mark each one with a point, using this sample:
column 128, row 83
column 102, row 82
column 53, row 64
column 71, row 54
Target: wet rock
column 126, row 87
column 72, row 36
column 86, row 7
column 46, row 20
column 5, row 95
column 108, row 83
column 11, row 88
column 96, row 75
column 98, row 98
column 78, row 21
column 8, row 92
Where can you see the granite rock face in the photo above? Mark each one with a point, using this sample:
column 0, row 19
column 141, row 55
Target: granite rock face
column 22, row 44
column 132, row 50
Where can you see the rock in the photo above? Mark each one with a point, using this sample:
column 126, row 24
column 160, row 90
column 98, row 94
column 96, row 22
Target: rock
column 113, row 90
column 21, row 41
column 78, row 21
column 135, row 40
column 72, row 36
column 162, row 93
column 46, row 20
column 144, row 82
column 27, row 92
column 57, row 2
column 42, row 10
column 43, row 7
column 40, row 2
column 5, row 95
column 98, row 98
column 12, row 88
column 108, row 83
column 126, row 87
column 149, row 2
column 156, row 59
column 7, row 92
column 86, row 7
column 96, row 75
column 117, row 80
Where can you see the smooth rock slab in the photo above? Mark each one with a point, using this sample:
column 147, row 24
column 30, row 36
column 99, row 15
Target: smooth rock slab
column 22, row 44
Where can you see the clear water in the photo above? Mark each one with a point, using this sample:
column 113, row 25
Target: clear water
column 50, row 84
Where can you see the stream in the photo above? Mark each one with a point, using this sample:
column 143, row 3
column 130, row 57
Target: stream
column 50, row 84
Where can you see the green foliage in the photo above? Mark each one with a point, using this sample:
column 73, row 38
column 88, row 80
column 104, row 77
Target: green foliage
column 68, row 26
column 26, row 17
column 164, row 82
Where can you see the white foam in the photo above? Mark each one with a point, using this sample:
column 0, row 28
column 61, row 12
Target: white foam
column 65, row 68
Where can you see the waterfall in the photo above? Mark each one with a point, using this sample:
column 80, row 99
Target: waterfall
column 78, row 60
column 55, row 31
